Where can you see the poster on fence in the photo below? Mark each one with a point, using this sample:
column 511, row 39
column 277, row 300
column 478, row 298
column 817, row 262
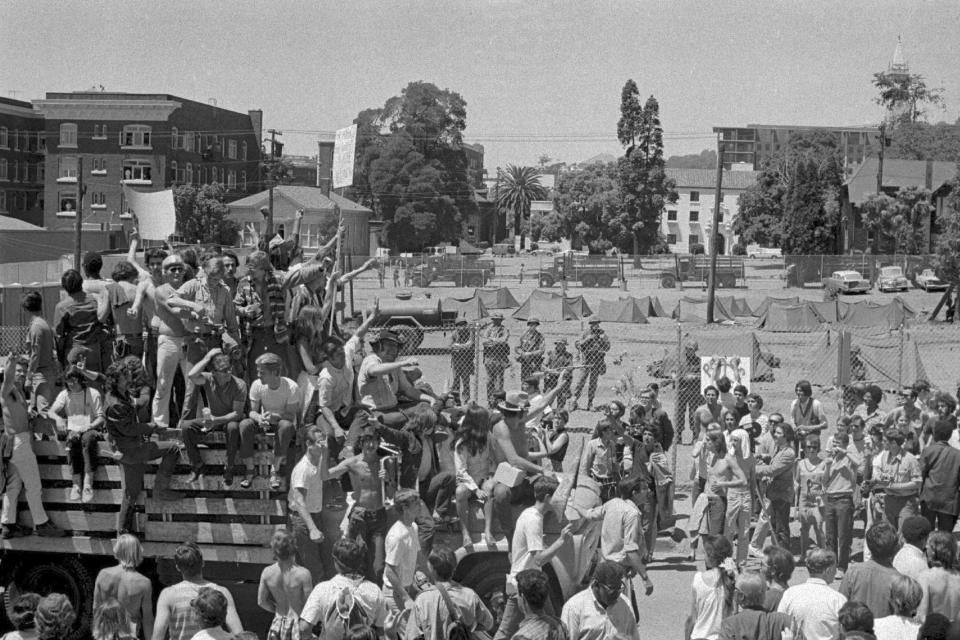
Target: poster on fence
column 736, row 369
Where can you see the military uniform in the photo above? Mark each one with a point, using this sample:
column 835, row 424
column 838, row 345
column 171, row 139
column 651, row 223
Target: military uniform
column 593, row 347
column 496, row 355
column 530, row 350
column 556, row 362
column 462, row 354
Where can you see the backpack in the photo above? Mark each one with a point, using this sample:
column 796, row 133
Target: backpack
column 346, row 613
column 456, row 628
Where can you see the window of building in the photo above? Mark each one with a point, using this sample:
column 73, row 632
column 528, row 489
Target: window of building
column 189, row 173
column 173, row 171
column 99, row 132
column 243, row 180
column 232, row 149
column 41, row 172
column 68, row 135
column 243, row 150
column 68, row 169
column 4, row 141
column 188, row 141
column 671, row 238
column 203, row 175
column 215, row 175
column 41, row 141
column 99, row 167
column 137, row 171
column 694, row 196
column 231, row 180
column 16, row 139
column 135, row 135
column 694, row 239
column 98, row 200
column 694, row 216
column 67, row 204
column 309, row 236
column 3, row 201
column 174, row 138
column 671, row 215
column 3, row 169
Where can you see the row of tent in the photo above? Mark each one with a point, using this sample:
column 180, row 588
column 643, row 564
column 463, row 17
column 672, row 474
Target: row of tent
column 550, row 306
column 807, row 316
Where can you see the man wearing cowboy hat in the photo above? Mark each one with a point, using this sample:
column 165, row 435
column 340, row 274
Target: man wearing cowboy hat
column 593, row 346
column 381, row 380
column 462, row 354
column 512, row 445
column 496, row 353
column 531, row 348
column 558, row 360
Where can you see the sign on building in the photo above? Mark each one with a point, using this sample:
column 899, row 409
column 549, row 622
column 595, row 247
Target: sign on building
column 344, row 150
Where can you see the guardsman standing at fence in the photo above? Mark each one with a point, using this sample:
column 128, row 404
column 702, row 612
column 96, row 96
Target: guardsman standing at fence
column 531, row 348
column 462, row 354
column 496, row 354
column 558, row 360
column 593, row 347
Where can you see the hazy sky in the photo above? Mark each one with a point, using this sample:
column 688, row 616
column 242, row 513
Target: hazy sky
column 538, row 77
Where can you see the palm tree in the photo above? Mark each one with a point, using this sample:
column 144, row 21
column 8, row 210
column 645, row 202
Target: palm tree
column 518, row 186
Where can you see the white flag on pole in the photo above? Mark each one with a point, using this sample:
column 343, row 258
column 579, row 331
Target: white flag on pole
column 344, row 149
column 155, row 212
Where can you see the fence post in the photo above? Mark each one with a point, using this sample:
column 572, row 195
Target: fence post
column 900, row 360
column 677, row 406
column 476, row 363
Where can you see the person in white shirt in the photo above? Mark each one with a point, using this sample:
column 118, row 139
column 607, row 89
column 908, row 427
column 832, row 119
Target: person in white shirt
column 402, row 553
column 528, row 550
column 274, row 405
column 601, row 611
column 814, row 605
column 78, row 413
column 905, row 596
column 911, row 560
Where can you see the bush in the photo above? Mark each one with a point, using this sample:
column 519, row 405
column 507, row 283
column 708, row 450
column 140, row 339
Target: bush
column 697, row 249
column 739, row 250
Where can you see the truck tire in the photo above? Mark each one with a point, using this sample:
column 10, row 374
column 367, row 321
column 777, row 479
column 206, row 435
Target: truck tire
column 589, row 280
column 605, row 280
column 66, row 575
column 545, row 282
column 485, row 576
column 668, row 281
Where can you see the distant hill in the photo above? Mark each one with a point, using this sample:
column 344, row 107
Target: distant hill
column 706, row 159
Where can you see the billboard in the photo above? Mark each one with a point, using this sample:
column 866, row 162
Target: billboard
column 344, row 150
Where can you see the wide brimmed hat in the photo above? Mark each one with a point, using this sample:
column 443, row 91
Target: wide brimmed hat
column 515, row 401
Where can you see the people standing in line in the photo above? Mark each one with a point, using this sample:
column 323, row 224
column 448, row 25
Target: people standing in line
column 124, row 584
column 284, row 588
column 496, row 353
column 593, row 346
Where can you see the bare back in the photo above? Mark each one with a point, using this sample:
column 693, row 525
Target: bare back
column 126, row 586
column 288, row 588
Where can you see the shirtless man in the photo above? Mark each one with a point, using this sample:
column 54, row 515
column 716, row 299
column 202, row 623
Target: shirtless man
column 368, row 517
column 284, row 588
column 126, row 585
column 21, row 468
column 510, row 444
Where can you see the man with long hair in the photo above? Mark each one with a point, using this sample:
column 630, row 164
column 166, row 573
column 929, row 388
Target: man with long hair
column 122, row 582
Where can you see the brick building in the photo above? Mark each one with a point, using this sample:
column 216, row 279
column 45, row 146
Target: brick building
column 21, row 161
column 149, row 141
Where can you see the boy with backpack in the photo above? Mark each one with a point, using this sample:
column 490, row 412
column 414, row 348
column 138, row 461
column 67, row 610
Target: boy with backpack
column 346, row 600
column 450, row 610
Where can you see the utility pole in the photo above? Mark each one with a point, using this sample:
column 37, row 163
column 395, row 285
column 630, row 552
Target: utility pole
column 883, row 143
column 78, row 222
column 273, row 157
column 714, row 232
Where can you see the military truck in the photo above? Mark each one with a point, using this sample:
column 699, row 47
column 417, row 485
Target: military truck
column 412, row 319
column 462, row 271
column 232, row 527
column 588, row 270
column 672, row 269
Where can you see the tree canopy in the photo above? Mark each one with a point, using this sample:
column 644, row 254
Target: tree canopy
column 202, row 214
column 517, row 187
column 587, row 203
column 411, row 168
column 906, row 97
column 897, row 223
column 706, row 159
column 922, row 141
column 948, row 242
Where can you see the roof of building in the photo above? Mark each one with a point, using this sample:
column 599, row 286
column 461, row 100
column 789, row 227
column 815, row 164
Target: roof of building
column 707, row 178
column 305, row 197
column 897, row 174
column 8, row 223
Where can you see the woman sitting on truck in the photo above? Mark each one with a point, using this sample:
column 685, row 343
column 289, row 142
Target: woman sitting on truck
column 474, row 464
column 78, row 413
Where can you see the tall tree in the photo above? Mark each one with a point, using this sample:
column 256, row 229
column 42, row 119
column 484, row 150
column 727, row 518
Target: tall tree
column 810, row 214
column 202, row 214
column 518, row 187
column 643, row 182
column 948, row 243
column 760, row 212
column 906, row 95
column 411, row 168
column 897, row 223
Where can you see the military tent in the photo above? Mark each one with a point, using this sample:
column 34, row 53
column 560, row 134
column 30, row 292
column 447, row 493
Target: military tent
column 799, row 318
column 651, row 307
column 885, row 317
column 759, row 311
column 498, row 298
column 829, row 310
column 737, row 306
column 890, row 361
column 471, row 308
column 622, row 310
column 552, row 307
column 695, row 310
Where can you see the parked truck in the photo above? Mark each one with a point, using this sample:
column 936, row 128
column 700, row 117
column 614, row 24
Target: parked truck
column 232, row 527
column 588, row 270
column 462, row 271
column 673, row 269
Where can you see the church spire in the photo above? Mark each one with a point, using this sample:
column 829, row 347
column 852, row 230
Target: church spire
column 898, row 66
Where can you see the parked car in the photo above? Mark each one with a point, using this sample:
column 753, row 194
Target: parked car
column 755, row 251
column 928, row 281
column 847, row 282
column 892, row 279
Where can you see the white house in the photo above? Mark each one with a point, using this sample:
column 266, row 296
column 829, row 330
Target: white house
column 689, row 220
